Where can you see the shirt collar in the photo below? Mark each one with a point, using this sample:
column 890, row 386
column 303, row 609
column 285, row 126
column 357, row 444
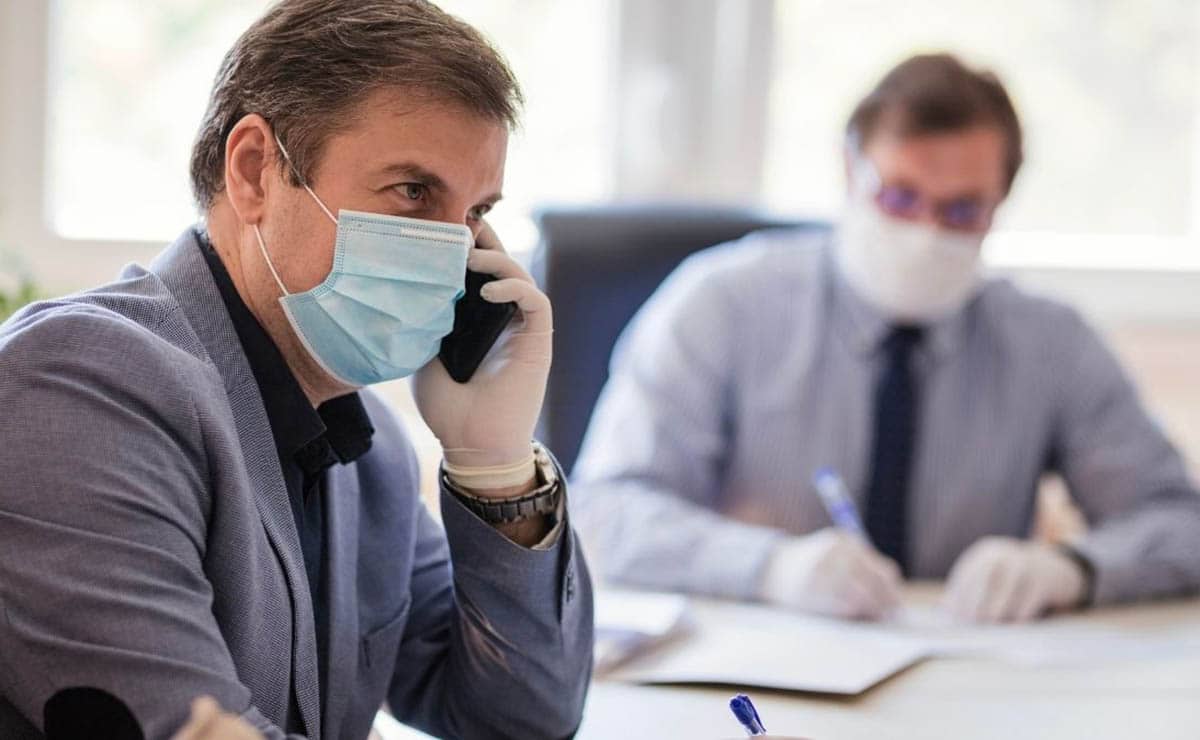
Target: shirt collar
column 297, row 427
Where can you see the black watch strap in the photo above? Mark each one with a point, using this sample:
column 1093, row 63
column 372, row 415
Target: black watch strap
column 1089, row 572
column 509, row 510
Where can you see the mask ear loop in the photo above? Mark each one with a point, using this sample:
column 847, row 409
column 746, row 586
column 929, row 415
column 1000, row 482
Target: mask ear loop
column 262, row 246
column 296, row 172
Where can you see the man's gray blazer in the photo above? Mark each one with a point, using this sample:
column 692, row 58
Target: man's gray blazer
column 147, row 545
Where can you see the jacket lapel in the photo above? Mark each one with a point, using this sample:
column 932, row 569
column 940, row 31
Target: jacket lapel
column 341, row 567
column 185, row 273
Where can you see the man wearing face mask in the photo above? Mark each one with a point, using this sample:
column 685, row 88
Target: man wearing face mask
column 938, row 396
column 200, row 500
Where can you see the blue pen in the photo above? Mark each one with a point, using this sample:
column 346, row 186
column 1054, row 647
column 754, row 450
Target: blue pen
column 745, row 712
column 837, row 502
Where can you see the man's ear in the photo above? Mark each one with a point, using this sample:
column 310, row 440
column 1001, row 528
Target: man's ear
column 250, row 162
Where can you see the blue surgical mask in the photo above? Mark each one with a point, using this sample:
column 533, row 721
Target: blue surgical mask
column 389, row 300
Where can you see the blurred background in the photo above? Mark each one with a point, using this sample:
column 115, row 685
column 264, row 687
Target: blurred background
column 723, row 102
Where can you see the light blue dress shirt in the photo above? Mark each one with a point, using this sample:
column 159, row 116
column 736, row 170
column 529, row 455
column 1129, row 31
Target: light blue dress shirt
column 754, row 366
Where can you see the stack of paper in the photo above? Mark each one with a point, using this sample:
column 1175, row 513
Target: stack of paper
column 629, row 622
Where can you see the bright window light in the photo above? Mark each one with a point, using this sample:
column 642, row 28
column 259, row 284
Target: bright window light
column 1108, row 93
column 130, row 81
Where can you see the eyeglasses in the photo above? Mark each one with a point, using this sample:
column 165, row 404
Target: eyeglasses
column 908, row 203
column 959, row 214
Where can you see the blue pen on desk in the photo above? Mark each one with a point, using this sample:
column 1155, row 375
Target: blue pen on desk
column 837, row 501
column 745, row 712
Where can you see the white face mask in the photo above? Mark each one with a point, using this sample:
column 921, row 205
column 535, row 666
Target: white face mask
column 913, row 273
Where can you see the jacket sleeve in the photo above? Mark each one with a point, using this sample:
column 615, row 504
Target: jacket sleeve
column 103, row 504
column 498, row 642
column 1131, row 484
column 649, row 477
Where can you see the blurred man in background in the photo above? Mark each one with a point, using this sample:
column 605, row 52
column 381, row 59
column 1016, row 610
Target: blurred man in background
column 880, row 354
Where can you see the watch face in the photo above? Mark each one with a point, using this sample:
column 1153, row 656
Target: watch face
column 547, row 471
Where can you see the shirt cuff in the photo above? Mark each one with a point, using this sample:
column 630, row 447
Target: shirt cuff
column 555, row 533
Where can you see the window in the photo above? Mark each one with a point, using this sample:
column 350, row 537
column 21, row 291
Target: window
column 128, row 85
column 129, row 82
column 732, row 101
column 1108, row 92
column 562, row 152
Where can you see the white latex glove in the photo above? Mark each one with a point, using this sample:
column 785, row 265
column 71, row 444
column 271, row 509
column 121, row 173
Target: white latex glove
column 834, row 573
column 489, row 420
column 1001, row 579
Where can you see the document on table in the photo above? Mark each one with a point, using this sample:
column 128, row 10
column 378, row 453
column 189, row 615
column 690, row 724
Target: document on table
column 755, row 646
column 1053, row 642
column 388, row 728
column 630, row 622
column 747, row 645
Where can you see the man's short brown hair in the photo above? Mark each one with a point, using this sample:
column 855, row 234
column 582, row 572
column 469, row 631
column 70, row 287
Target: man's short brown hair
column 306, row 64
column 935, row 93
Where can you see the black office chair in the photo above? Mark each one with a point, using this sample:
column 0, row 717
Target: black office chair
column 599, row 264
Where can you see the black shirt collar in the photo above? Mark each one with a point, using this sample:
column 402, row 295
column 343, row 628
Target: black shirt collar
column 338, row 431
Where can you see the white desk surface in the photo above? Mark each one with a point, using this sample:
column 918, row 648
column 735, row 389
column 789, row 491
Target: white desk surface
column 1157, row 697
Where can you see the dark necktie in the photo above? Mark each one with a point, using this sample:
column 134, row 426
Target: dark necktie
column 894, row 439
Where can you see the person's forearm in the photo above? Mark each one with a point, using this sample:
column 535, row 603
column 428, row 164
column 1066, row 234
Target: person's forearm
column 648, row 538
column 1153, row 552
column 522, row 638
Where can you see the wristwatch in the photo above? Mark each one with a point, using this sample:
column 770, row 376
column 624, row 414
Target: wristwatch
column 541, row 500
column 1087, row 568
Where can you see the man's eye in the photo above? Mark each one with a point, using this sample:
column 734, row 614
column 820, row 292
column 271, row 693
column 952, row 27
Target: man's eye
column 480, row 211
column 412, row 190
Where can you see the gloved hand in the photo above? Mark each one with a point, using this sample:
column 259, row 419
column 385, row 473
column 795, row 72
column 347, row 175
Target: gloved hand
column 489, row 420
column 834, row 573
column 1001, row 579
column 208, row 722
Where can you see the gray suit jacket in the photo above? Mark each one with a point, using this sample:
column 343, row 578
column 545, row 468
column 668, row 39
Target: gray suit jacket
column 147, row 546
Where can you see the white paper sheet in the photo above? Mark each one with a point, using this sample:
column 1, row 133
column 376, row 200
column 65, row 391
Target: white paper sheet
column 1047, row 643
column 645, row 612
column 387, row 728
column 758, row 647
column 755, row 646
column 630, row 622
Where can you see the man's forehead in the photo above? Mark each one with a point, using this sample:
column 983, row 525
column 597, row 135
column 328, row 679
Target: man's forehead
column 391, row 132
column 964, row 154
column 390, row 114
column 979, row 138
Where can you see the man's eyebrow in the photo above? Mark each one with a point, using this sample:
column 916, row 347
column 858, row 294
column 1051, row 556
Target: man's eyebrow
column 429, row 179
column 417, row 173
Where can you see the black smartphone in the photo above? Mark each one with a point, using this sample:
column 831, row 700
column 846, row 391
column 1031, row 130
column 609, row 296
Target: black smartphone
column 477, row 325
